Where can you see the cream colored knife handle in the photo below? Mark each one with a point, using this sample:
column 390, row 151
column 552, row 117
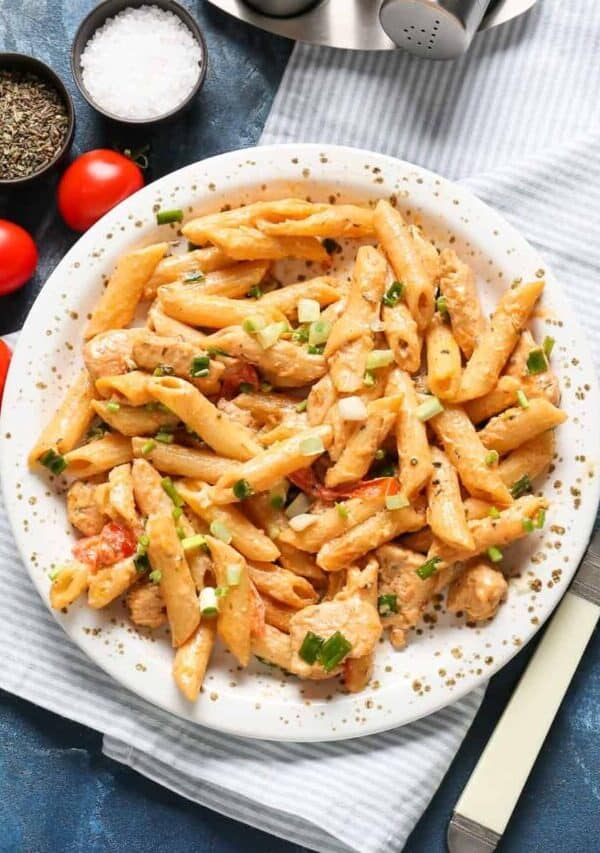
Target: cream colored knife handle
column 491, row 794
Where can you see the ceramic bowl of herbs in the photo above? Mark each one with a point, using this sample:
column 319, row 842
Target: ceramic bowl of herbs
column 37, row 119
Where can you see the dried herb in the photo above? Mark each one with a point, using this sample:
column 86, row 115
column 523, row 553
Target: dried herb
column 33, row 124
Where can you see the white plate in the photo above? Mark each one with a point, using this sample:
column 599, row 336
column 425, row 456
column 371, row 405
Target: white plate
column 445, row 658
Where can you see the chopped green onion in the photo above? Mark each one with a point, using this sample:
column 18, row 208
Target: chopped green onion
column 164, row 437
column 301, row 406
column 190, row 543
column 536, row 361
column 428, row 568
column 164, row 217
column 342, row 511
column 171, row 491
column 242, row 490
column 369, row 379
column 200, row 366
column 495, row 554
column 540, row 519
column 255, row 292
column 54, row 461
column 277, row 501
column 331, row 246
column 299, row 505
column 97, row 432
column 333, row 651
column 269, row 336
column 221, row 591
column 387, row 604
column 193, row 276
column 273, row 530
column 521, row 487
column 148, row 447
column 220, row 531
column 310, row 648
column 309, row 310
column 254, row 324
column 352, row 409
column 528, row 526
column 396, row 502
column 387, row 470
column 54, row 573
column 141, row 563
column 213, row 352
column 441, row 304
column 494, row 512
column 311, row 446
column 144, row 540
column 234, row 575
column 522, row 399
column 393, row 294
column 209, row 603
column 300, row 334
column 492, row 458
column 380, row 454
column 379, row 358
column 316, row 349
column 155, row 576
column 301, row 521
column 163, row 370
column 180, row 532
column 266, row 388
column 113, row 406
column 548, row 346
column 176, row 513
column 429, row 409
column 318, row 332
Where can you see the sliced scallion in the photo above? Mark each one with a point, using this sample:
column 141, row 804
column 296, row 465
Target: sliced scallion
column 521, row 487
column 53, row 461
column 428, row 568
column 379, row 358
column 495, row 554
column 301, row 406
column 309, row 310
column 333, row 651
column 193, row 276
column 548, row 346
column 269, row 335
column 342, row 511
column 310, row 647
column 171, row 491
column 190, row 543
column 441, row 304
column 429, row 409
column 242, row 490
column 299, row 505
column 234, row 575
column 536, row 361
column 393, row 294
column 311, row 446
column 208, row 601
column 494, row 512
column 155, row 576
column 220, row 531
column 318, row 332
column 492, row 458
column 522, row 399
column 113, row 406
column 387, row 604
column 540, row 519
column 255, row 292
column 164, row 437
column 164, row 217
column 301, row 521
column 528, row 526
column 396, row 502
column 148, row 446
column 252, row 325
column 200, row 367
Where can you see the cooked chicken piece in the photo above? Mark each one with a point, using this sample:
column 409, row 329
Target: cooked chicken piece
column 111, row 353
column 477, row 591
column 82, row 509
column 535, row 385
column 285, row 364
column 154, row 351
column 356, row 619
column 146, row 606
column 398, row 576
column 235, row 413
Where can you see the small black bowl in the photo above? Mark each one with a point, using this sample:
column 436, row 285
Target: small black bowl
column 110, row 8
column 21, row 62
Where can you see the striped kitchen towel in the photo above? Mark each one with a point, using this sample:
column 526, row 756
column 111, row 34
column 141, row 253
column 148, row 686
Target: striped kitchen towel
column 517, row 119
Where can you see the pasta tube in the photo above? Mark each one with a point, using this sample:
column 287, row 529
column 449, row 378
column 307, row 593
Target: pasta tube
column 69, row 422
column 443, row 360
column 445, row 512
column 414, row 454
column 234, row 618
column 457, row 284
column 513, row 427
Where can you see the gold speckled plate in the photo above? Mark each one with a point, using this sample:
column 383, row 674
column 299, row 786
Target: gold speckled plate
column 445, row 657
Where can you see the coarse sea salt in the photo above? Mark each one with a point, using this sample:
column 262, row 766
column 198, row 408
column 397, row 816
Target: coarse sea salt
column 141, row 64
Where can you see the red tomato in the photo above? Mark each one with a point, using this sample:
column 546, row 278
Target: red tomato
column 306, row 480
column 93, row 184
column 18, row 256
column 238, row 374
column 114, row 543
column 5, row 356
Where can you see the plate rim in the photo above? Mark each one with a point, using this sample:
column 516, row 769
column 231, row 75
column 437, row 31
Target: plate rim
column 245, row 728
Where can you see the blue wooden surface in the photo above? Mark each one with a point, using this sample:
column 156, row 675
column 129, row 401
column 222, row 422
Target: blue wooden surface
column 57, row 791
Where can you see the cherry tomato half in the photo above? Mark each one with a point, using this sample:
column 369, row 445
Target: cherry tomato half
column 113, row 543
column 18, row 257
column 5, row 356
column 93, row 184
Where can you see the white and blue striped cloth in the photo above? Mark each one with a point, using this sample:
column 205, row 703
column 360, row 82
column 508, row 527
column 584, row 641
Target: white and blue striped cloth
column 518, row 120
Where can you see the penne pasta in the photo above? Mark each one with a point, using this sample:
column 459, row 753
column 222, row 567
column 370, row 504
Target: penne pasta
column 98, row 456
column 466, row 452
column 196, row 260
column 457, row 284
column 285, row 299
column 443, row 360
column 498, row 399
column 234, row 617
column 162, row 324
column 445, row 512
column 496, row 343
column 149, row 494
column 183, row 461
column 176, row 583
column 225, row 436
column 337, row 221
column 249, row 244
column 197, row 230
column 69, row 422
column 235, row 280
column 135, row 420
column 119, row 300
column 71, row 581
column 191, row 660
column 403, row 336
column 190, row 305
column 513, row 427
column 406, row 261
column 414, row 454
column 105, row 585
column 531, row 458
column 282, row 585
column 159, row 354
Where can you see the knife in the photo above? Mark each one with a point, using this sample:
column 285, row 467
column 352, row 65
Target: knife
column 488, row 800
